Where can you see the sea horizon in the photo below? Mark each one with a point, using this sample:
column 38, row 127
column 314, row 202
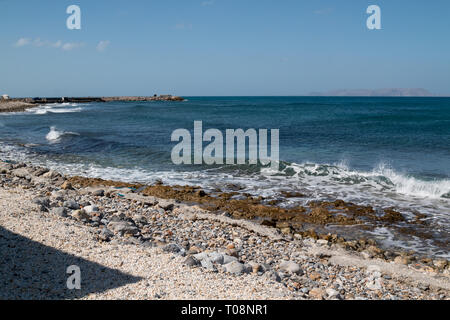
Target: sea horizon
column 330, row 148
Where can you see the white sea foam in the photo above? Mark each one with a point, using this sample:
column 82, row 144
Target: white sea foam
column 55, row 135
column 381, row 178
column 380, row 188
column 55, row 108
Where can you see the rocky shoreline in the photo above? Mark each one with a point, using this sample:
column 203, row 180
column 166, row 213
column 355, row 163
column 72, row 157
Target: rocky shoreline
column 22, row 104
column 299, row 266
column 15, row 106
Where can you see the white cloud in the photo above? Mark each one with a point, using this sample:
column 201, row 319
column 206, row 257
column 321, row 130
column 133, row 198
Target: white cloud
column 102, row 45
column 71, row 45
column 22, row 42
column 45, row 43
column 39, row 43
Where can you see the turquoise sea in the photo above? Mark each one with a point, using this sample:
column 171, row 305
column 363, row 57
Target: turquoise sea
column 386, row 152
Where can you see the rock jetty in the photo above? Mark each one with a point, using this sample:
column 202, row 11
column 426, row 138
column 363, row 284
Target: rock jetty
column 22, row 104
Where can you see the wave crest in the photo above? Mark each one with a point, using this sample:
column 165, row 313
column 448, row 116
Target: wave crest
column 55, row 108
column 381, row 178
column 55, row 136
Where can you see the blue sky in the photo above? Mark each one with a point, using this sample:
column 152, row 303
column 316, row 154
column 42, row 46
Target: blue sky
column 221, row 47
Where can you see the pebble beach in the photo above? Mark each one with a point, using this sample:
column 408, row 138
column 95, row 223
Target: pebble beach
column 133, row 246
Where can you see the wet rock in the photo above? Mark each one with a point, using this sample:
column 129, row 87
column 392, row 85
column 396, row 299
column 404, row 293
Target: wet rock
column 366, row 255
column 21, row 173
column 402, row 260
column 201, row 193
column 268, row 223
column 66, row 186
column 40, row 171
column 440, row 264
column 51, row 174
column 374, row 251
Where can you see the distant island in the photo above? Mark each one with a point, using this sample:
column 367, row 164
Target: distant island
column 388, row 92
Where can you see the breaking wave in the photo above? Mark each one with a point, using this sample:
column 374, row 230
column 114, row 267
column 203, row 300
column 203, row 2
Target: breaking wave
column 55, row 136
column 381, row 178
column 55, row 108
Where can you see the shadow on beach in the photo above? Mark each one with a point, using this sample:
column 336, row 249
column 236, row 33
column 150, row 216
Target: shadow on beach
column 30, row 270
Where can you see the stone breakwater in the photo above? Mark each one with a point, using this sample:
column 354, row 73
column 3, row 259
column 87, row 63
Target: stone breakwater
column 15, row 105
column 22, row 104
column 230, row 250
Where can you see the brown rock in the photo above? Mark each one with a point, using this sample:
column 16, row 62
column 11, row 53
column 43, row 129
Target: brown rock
column 230, row 246
column 314, row 276
column 256, row 267
column 232, row 252
column 374, row 250
column 402, row 260
column 317, row 294
column 287, row 230
column 80, row 215
column 440, row 264
column 66, row 185
column 194, row 250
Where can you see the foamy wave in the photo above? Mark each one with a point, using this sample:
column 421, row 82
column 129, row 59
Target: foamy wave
column 381, row 178
column 415, row 187
column 55, row 136
column 55, row 108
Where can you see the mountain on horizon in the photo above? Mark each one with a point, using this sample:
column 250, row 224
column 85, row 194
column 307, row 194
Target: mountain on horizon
column 388, row 92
